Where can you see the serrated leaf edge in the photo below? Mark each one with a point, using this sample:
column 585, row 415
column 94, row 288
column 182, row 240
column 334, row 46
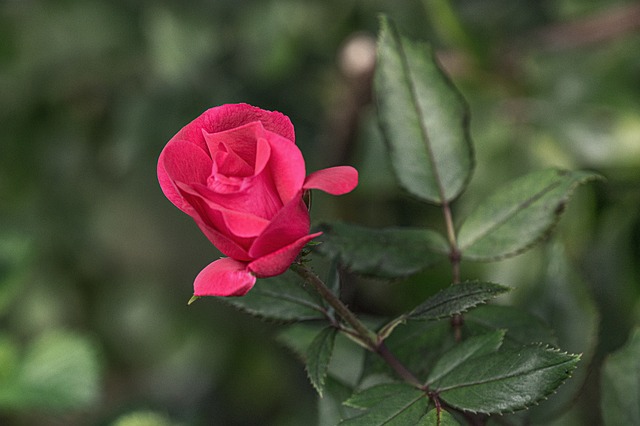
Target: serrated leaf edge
column 319, row 387
column 501, row 290
column 544, row 397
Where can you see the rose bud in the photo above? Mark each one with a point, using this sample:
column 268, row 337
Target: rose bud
column 237, row 171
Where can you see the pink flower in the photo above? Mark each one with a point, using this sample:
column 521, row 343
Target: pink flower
column 237, row 171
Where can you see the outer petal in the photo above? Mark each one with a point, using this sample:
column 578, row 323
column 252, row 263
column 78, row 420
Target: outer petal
column 224, row 277
column 334, row 180
column 182, row 162
column 287, row 167
column 287, row 226
column 277, row 262
column 230, row 116
column 226, row 245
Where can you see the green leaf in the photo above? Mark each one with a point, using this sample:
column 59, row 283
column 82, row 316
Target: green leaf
column 518, row 215
column 319, row 356
column 423, row 119
column 505, row 381
column 620, row 399
column 59, row 371
column 455, row 299
column 383, row 253
column 522, row 327
column 282, row 298
column 469, row 348
column 390, row 404
column 438, row 418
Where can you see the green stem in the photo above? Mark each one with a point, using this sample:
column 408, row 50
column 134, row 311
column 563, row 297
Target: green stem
column 397, row 366
column 366, row 336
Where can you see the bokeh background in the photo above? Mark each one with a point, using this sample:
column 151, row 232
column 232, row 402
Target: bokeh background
column 96, row 266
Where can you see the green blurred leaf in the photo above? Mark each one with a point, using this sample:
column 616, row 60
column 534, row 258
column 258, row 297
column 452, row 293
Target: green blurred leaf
column 469, row 348
column 518, row 215
column 298, row 336
column 620, row 399
column 14, row 257
column 455, row 299
column 505, row 381
column 59, row 371
column 331, row 408
column 318, row 357
column 143, row 418
column 383, row 253
column 396, row 404
column 9, row 361
column 565, row 302
column 283, row 298
column 423, row 118
column 522, row 327
column 438, row 418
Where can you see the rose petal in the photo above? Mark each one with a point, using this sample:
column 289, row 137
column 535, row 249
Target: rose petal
column 240, row 141
column 183, row 162
column 227, row 229
column 287, row 167
column 279, row 261
column 226, row 245
column 263, row 155
column 230, row 116
column 224, row 277
column 334, row 180
column 288, row 225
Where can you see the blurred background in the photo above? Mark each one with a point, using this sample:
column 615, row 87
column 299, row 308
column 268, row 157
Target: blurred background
column 96, row 266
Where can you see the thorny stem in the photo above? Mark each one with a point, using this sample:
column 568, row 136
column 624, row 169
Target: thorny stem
column 368, row 337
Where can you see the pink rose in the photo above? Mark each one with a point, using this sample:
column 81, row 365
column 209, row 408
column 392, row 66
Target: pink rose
column 237, row 171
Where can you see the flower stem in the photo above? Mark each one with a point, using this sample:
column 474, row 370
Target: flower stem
column 366, row 336
column 397, row 366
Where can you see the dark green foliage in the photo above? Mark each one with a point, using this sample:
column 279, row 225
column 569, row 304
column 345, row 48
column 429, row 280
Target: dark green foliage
column 282, row 298
column 383, row 253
